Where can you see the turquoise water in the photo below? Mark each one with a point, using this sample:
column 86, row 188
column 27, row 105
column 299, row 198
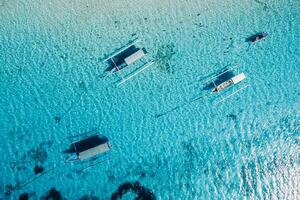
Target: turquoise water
column 50, row 64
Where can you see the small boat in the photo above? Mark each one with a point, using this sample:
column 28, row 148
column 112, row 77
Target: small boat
column 135, row 56
column 257, row 37
column 234, row 80
column 126, row 56
column 88, row 147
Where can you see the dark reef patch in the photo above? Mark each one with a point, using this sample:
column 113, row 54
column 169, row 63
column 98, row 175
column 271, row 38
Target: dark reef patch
column 53, row 194
column 141, row 192
column 64, row 56
column 8, row 189
column 38, row 154
column 143, row 174
column 199, row 25
column 164, row 56
column 110, row 176
column 38, row 169
column 57, row 119
column 24, row 196
column 190, row 154
column 232, row 116
column 34, row 156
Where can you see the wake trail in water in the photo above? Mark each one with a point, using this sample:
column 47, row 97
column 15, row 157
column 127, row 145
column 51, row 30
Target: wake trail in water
column 183, row 105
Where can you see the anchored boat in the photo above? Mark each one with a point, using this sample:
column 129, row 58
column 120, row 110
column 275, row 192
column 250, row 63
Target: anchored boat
column 126, row 56
column 234, row 80
column 225, row 80
column 88, row 147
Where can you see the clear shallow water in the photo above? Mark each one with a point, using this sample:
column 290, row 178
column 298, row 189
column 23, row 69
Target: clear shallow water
column 51, row 57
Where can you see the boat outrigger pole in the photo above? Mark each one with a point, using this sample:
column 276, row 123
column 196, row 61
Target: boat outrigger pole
column 135, row 73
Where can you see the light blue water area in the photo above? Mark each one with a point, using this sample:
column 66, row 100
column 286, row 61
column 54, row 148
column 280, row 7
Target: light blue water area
column 246, row 147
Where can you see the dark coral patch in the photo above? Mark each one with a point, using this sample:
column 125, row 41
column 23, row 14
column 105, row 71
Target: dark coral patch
column 53, row 194
column 232, row 116
column 38, row 154
column 57, row 119
column 164, row 56
column 38, row 169
column 9, row 188
column 143, row 174
column 24, row 196
column 141, row 192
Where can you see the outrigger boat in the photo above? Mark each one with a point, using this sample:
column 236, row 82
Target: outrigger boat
column 125, row 57
column 234, row 80
column 88, row 147
column 229, row 81
column 214, row 84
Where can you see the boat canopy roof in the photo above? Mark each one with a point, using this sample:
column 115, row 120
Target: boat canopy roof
column 134, row 57
column 91, row 146
column 238, row 78
column 94, row 151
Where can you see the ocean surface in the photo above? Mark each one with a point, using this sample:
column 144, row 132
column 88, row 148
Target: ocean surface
column 171, row 138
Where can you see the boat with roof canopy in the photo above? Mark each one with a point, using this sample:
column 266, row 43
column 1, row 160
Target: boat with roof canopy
column 126, row 56
column 88, row 147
